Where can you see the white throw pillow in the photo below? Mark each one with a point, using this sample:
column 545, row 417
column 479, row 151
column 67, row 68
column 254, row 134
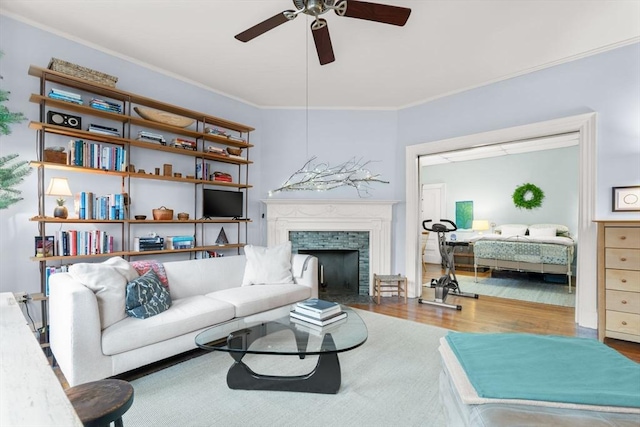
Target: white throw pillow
column 511, row 231
column 108, row 280
column 542, row 232
column 267, row 265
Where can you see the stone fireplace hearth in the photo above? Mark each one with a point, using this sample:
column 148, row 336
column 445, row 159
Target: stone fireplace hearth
column 367, row 216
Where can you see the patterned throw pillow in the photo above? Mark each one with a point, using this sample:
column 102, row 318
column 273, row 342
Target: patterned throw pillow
column 143, row 266
column 146, row 296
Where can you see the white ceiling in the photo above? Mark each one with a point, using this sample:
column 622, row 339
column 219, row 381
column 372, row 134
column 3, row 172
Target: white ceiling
column 446, row 46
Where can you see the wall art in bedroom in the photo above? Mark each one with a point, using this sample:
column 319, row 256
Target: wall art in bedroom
column 626, row 199
column 464, row 214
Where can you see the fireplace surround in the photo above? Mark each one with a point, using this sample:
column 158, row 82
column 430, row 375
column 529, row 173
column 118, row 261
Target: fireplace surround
column 371, row 216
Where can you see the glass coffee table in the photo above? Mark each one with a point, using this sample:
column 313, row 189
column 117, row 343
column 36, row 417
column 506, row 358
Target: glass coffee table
column 288, row 337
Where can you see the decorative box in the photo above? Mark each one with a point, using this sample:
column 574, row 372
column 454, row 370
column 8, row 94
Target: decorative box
column 82, row 72
column 55, row 156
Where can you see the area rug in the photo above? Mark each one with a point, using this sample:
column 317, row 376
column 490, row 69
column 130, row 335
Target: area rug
column 525, row 290
column 392, row 379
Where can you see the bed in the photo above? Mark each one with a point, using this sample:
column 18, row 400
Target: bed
column 541, row 248
column 534, row 380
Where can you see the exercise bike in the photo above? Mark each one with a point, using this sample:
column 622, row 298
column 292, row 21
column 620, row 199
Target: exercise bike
column 447, row 283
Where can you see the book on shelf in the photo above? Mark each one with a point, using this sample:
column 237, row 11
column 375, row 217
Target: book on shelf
column 319, row 306
column 314, row 329
column 319, row 322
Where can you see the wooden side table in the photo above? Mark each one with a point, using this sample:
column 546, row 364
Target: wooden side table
column 389, row 283
column 99, row 403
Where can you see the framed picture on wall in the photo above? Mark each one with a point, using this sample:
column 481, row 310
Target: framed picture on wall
column 626, row 199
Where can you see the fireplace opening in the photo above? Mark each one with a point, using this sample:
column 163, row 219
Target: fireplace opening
column 338, row 271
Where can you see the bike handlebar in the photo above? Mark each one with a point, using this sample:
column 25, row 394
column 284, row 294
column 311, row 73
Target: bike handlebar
column 439, row 227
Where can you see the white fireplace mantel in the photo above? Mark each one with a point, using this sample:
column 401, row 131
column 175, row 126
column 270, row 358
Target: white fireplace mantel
column 372, row 216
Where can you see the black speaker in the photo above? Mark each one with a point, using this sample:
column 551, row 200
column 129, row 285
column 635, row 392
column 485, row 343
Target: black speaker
column 62, row 119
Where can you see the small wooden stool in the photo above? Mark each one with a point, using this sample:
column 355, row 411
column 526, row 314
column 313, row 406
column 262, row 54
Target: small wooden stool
column 390, row 283
column 100, row 403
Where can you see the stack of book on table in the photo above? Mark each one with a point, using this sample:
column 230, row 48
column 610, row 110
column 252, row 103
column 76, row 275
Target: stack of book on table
column 317, row 312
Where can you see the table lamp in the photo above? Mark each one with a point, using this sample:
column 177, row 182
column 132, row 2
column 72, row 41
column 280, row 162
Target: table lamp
column 59, row 187
column 480, row 225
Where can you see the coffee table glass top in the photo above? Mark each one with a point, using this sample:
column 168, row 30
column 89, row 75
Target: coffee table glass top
column 276, row 336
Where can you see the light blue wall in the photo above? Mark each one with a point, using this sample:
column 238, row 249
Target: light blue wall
column 489, row 183
column 608, row 83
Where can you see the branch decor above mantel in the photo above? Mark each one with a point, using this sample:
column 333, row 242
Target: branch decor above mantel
column 323, row 177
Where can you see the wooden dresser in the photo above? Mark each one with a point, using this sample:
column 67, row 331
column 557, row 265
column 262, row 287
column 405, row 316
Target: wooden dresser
column 619, row 280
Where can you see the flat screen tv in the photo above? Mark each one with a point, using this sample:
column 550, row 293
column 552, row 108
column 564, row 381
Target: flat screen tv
column 222, row 204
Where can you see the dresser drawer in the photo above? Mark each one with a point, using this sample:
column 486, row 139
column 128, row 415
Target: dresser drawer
column 622, row 237
column 622, row 280
column 626, row 323
column 626, row 259
column 629, row 302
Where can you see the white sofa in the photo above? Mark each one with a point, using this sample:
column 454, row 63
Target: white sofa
column 204, row 293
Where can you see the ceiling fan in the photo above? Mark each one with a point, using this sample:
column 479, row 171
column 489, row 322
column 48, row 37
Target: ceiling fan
column 376, row 12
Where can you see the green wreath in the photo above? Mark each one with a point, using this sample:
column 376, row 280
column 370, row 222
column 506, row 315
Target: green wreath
column 528, row 196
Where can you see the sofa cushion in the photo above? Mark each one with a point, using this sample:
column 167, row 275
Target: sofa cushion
column 200, row 276
column 267, row 265
column 108, row 280
column 146, row 297
column 185, row 315
column 143, row 266
column 255, row 299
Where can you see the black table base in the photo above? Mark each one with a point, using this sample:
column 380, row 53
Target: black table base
column 325, row 377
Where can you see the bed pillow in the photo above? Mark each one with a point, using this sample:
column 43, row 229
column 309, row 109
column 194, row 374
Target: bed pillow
column 513, row 230
column 542, row 232
column 499, row 228
column 267, row 265
column 146, row 296
column 561, row 230
column 108, row 280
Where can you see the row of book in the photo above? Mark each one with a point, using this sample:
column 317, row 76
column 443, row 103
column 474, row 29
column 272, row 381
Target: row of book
column 179, row 242
column 96, row 155
column 101, row 104
column 108, row 207
column 64, row 95
column 73, row 243
column 317, row 313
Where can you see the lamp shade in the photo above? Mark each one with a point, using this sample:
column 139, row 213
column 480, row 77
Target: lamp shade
column 58, row 187
column 480, row 225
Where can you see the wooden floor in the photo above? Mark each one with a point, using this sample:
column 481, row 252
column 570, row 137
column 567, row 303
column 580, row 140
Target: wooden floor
column 491, row 314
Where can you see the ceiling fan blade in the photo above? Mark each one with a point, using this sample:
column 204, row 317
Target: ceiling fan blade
column 321, row 36
column 262, row 27
column 394, row 15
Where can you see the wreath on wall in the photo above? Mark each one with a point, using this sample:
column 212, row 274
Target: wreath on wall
column 528, row 196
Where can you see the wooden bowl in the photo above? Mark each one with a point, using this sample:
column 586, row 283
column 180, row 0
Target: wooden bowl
column 162, row 213
column 163, row 117
column 183, row 216
column 234, row 151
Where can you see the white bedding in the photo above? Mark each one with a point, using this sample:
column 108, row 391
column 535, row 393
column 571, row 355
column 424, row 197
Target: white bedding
column 558, row 240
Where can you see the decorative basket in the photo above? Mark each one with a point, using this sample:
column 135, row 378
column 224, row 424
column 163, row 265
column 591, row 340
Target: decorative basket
column 82, row 72
column 162, row 213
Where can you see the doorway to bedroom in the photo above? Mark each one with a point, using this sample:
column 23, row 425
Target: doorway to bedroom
column 484, row 179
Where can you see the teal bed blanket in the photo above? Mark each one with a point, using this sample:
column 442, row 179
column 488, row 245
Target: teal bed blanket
column 547, row 368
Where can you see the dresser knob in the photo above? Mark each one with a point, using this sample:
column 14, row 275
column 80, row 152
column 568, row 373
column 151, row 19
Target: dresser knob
column 623, row 237
column 624, row 280
column 624, row 323
column 623, row 259
column 623, row 301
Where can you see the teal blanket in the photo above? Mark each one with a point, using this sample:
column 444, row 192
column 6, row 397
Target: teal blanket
column 547, row 368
